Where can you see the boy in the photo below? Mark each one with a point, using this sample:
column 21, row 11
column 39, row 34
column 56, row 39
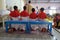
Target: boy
column 24, row 16
column 15, row 15
column 41, row 16
column 33, row 17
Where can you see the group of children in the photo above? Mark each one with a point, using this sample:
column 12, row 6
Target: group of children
column 17, row 15
column 24, row 15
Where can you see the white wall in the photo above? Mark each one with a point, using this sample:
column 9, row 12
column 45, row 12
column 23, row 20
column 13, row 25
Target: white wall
column 11, row 3
column 46, row 5
column 2, row 6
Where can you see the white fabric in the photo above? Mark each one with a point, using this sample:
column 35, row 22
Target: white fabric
column 33, row 19
column 15, row 18
column 34, row 27
column 25, row 18
column 16, row 26
column 22, row 26
column 4, row 12
column 43, row 26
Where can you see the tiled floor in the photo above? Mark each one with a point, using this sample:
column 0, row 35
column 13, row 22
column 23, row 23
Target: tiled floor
column 24, row 36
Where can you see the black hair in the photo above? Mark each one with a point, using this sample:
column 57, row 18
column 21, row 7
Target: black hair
column 15, row 7
column 29, row 1
column 33, row 9
column 57, row 14
column 42, row 9
column 24, row 7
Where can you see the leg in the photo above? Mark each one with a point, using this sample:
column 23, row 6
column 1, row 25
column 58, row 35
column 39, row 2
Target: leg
column 28, row 28
column 6, row 27
column 50, row 27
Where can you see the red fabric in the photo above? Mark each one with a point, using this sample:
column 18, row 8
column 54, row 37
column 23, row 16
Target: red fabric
column 42, row 15
column 56, row 18
column 24, row 13
column 14, row 13
column 33, row 15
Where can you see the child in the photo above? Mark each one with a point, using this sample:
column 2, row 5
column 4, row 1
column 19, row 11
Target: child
column 29, row 7
column 33, row 17
column 41, row 16
column 25, row 16
column 15, row 15
column 57, row 21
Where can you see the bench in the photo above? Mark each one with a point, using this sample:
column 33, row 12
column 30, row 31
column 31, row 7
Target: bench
column 28, row 24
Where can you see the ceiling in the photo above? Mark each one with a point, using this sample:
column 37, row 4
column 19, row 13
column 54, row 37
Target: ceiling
column 38, row 1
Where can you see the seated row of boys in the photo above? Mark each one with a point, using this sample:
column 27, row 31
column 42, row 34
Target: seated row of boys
column 16, row 15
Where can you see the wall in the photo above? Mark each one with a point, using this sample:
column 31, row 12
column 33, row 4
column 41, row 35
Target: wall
column 11, row 3
column 8, row 4
column 46, row 5
column 2, row 6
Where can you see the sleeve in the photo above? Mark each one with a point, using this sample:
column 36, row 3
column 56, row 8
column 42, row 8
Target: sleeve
column 10, row 13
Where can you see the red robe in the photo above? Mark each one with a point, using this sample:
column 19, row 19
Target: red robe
column 33, row 15
column 42, row 15
column 56, row 18
column 14, row 13
column 24, row 13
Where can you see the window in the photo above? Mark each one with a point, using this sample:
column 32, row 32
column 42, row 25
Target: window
column 52, row 10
